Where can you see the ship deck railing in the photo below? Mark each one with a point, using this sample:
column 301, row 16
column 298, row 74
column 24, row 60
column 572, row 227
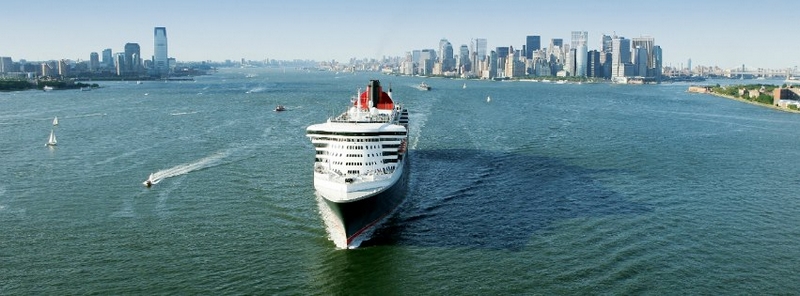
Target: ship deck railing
column 369, row 176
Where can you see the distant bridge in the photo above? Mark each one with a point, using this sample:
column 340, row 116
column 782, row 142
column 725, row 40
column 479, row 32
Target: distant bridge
column 763, row 72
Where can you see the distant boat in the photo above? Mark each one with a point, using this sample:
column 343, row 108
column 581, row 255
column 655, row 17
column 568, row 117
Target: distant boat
column 149, row 182
column 423, row 86
column 138, row 82
column 47, row 88
column 280, row 108
column 55, row 121
column 488, row 99
column 87, row 88
column 464, row 86
column 52, row 140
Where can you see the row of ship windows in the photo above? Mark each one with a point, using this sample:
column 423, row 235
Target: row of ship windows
column 356, row 140
column 354, row 163
column 323, row 152
column 355, row 147
column 325, row 160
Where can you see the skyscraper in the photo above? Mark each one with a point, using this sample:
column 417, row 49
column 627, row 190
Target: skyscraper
column 620, row 56
column 160, row 62
column 463, row 58
column 132, row 58
column 108, row 58
column 480, row 48
column 579, row 42
column 5, row 65
column 94, row 61
column 606, row 41
column 659, row 62
column 647, row 44
column 532, row 43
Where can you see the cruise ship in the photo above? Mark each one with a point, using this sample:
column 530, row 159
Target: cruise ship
column 360, row 169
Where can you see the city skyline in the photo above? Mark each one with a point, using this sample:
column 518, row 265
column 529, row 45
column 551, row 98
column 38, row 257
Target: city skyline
column 706, row 33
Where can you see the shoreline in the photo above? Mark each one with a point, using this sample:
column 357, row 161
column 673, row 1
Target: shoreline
column 770, row 106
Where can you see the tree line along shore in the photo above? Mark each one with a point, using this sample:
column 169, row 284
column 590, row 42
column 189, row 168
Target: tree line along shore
column 784, row 98
column 19, row 85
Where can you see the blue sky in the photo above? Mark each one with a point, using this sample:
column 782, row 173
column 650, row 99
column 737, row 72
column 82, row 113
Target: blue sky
column 727, row 34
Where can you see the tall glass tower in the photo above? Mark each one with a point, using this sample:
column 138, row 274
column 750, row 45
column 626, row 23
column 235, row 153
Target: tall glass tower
column 579, row 42
column 132, row 57
column 160, row 57
column 480, row 48
column 532, row 43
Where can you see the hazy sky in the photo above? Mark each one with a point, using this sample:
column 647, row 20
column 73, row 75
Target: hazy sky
column 723, row 33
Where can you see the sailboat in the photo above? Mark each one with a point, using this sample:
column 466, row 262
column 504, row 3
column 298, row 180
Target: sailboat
column 52, row 140
column 464, row 86
column 488, row 99
column 55, row 121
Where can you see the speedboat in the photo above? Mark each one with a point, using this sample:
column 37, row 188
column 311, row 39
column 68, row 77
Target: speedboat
column 423, row 86
column 280, row 108
column 149, row 182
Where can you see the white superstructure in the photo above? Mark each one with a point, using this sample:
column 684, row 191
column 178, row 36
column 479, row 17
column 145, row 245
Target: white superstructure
column 360, row 152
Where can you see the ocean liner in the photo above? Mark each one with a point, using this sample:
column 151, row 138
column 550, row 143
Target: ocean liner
column 360, row 169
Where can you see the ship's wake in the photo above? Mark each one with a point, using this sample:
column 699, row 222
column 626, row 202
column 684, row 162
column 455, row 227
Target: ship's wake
column 183, row 169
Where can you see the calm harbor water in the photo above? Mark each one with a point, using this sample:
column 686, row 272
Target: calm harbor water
column 567, row 189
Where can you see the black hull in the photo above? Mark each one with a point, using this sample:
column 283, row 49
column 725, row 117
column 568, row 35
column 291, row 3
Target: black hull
column 362, row 215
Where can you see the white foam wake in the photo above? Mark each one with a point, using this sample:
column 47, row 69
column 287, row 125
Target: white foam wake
column 182, row 169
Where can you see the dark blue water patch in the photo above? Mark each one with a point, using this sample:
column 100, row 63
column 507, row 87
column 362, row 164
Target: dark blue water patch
column 496, row 200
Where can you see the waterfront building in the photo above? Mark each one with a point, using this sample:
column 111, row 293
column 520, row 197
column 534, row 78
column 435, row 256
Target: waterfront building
column 640, row 61
column 689, row 66
column 514, row 67
column 532, row 44
column 448, row 60
column 480, row 48
column 569, row 63
column 46, row 70
column 579, row 43
column 407, row 66
column 94, row 62
column 119, row 63
column 606, row 43
column 133, row 59
column 63, row 68
column 501, row 57
column 620, row 56
column 108, row 58
column 647, row 44
column 160, row 56
column 659, row 62
column 6, row 65
column 605, row 64
column 464, row 58
column 446, row 55
column 491, row 72
column 426, row 60
column 594, row 68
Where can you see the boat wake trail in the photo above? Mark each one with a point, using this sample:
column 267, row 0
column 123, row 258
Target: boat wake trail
column 183, row 169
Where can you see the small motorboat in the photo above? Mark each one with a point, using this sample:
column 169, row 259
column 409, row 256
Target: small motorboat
column 423, row 86
column 149, row 182
column 280, row 108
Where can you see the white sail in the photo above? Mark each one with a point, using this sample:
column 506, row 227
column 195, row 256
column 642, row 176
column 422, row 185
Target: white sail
column 488, row 99
column 52, row 140
column 55, row 121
